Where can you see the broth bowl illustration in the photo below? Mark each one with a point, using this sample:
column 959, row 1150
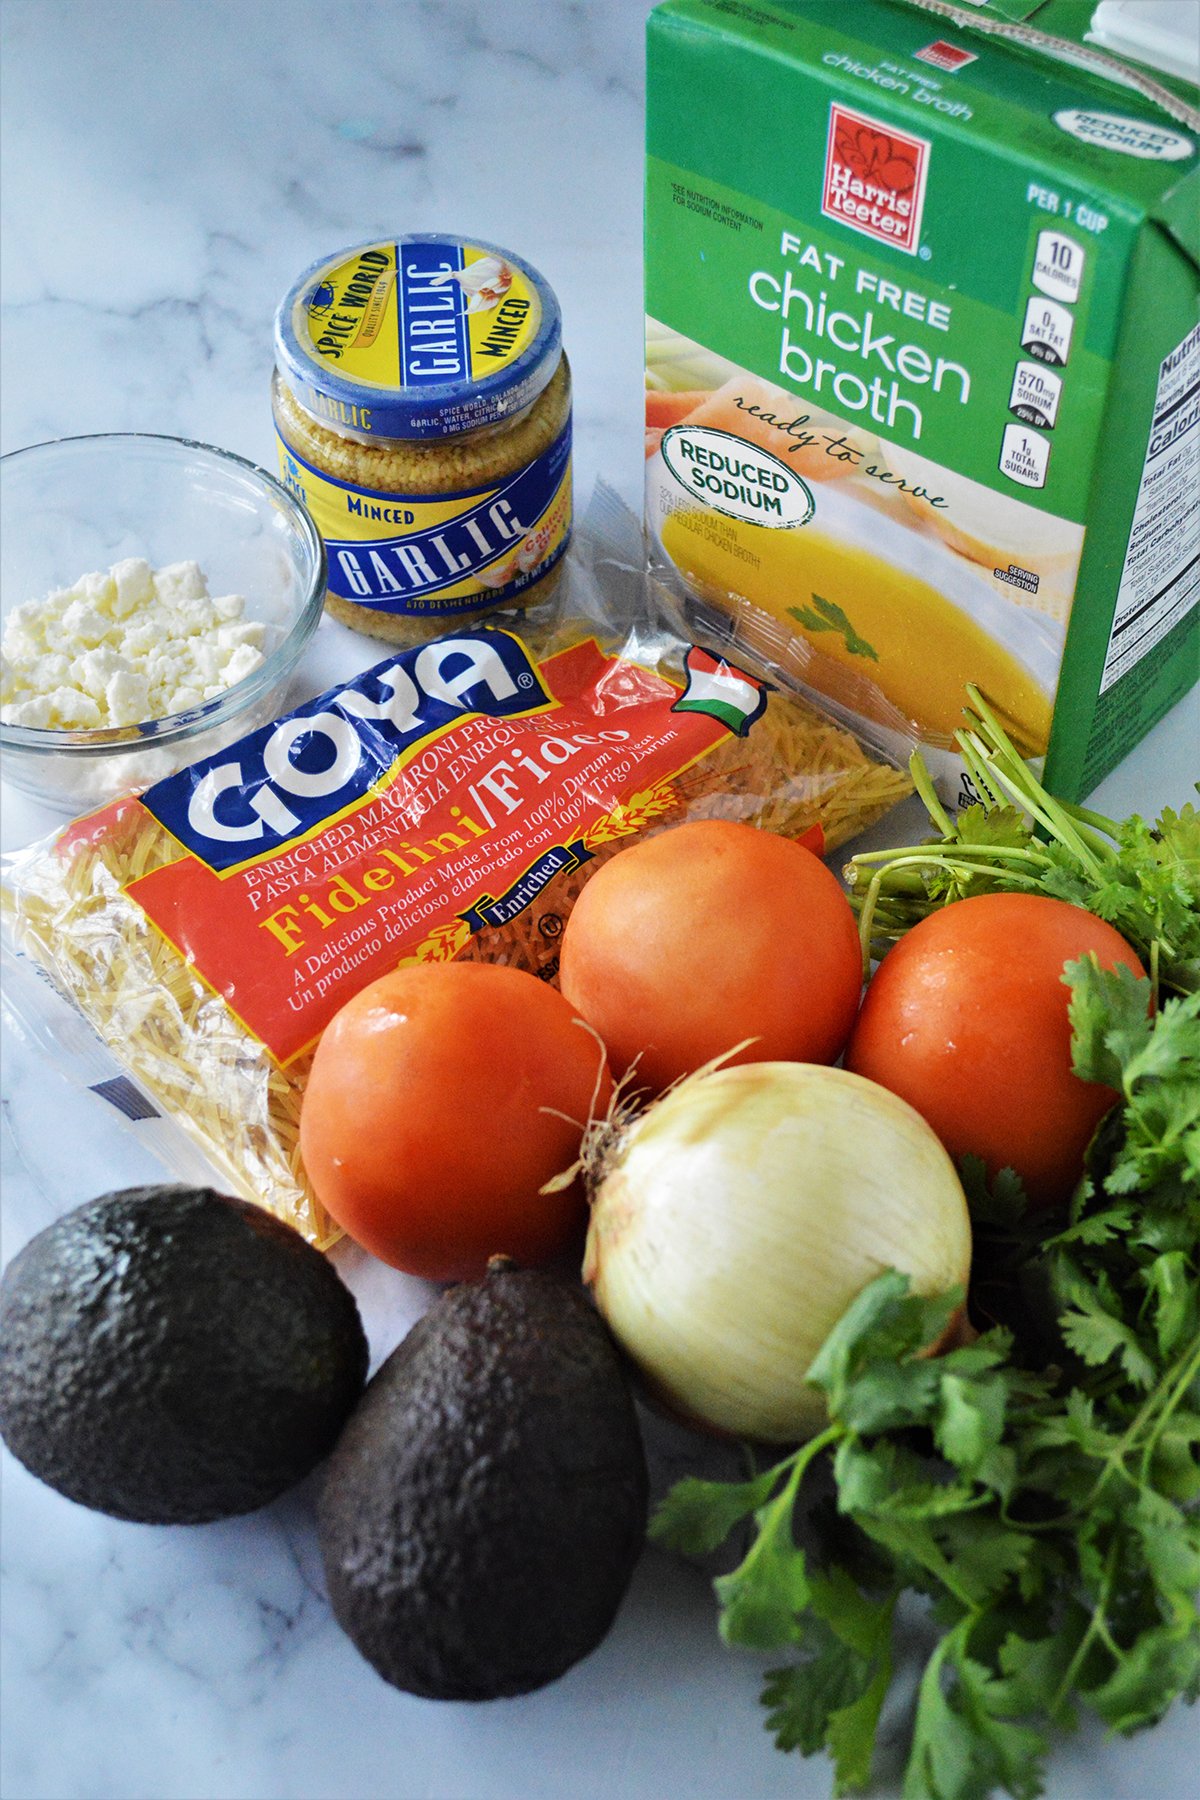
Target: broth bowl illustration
column 878, row 612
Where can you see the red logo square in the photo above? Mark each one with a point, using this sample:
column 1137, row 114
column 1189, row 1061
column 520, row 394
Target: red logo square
column 875, row 178
column 945, row 56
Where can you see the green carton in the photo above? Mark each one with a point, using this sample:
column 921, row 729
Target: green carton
column 923, row 363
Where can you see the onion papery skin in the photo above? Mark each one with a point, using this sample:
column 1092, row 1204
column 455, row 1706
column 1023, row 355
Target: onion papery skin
column 733, row 1222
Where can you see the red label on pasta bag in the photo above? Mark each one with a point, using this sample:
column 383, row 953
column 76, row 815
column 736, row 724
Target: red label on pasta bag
column 458, row 836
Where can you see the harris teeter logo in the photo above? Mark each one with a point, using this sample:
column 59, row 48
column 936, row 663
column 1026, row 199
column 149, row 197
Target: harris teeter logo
column 874, row 178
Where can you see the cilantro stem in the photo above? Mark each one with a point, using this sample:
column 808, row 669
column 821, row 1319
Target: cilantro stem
column 1101, row 833
column 807, row 1453
column 1097, row 1626
column 946, row 856
column 961, row 861
column 1012, row 877
column 797, row 1463
column 866, row 920
column 922, row 781
column 1191, row 1369
column 891, row 862
column 1085, row 816
column 1006, row 766
column 1167, row 1393
column 903, row 884
column 783, row 1499
column 1021, row 788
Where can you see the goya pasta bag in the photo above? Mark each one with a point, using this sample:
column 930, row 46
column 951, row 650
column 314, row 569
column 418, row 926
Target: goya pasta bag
column 449, row 801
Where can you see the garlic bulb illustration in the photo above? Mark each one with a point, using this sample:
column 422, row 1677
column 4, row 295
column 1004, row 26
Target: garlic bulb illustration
column 485, row 282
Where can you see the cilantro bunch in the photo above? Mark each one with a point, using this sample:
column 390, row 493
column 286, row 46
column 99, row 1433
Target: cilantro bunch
column 1036, row 1488
column 1144, row 880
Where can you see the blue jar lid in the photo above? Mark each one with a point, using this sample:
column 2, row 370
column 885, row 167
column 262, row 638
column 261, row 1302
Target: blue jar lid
column 417, row 337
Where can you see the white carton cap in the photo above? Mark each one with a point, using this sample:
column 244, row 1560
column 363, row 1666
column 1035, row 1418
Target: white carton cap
column 1165, row 34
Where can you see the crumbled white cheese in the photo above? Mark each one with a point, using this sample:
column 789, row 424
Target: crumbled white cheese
column 124, row 646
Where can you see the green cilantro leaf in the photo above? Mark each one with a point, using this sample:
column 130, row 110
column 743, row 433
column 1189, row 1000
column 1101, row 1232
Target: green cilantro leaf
column 852, row 1731
column 1109, row 1010
column 1175, row 1301
column 696, row 1517
column 944, row 1761
column 1097, row 1334
column 833, row 1698
column 1000, row 1202
column 801, row 1697
column 1162, row 1663
column 1033, row 1668
column 971, row 1421
column 762, row 1599
column 1009, row 1754
column 1170, row 1541
column 884, row 1324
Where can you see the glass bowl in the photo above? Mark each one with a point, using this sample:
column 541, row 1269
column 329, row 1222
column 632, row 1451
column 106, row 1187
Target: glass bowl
column 80, row 504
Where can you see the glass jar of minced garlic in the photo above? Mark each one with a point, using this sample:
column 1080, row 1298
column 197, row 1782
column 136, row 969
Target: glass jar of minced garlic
column 422, row 407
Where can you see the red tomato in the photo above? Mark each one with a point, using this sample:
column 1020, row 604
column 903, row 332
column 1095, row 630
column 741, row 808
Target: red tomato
column 689, row 942
column 441, row 1099
column 966, row 1019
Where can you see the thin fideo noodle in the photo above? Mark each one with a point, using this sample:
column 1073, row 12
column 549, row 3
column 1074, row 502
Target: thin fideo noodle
column 210, row 977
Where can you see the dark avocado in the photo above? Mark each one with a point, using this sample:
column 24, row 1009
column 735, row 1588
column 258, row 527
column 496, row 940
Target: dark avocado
column 485, row 1506
column 172, row 1356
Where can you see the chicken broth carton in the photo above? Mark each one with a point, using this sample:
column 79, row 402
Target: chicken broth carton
column 923, row 363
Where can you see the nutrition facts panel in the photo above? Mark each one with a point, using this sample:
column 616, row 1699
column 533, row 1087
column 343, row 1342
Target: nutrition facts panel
column 1160, row 582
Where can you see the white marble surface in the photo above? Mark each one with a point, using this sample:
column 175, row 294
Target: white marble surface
column 167, row 168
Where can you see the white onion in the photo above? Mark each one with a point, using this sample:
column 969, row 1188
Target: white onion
column 734, row 1221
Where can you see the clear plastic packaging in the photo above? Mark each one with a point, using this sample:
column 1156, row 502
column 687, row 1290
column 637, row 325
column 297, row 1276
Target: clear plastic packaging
column 471, row 814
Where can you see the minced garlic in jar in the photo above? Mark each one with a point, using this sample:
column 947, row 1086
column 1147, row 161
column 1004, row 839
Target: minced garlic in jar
column 422, row 407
